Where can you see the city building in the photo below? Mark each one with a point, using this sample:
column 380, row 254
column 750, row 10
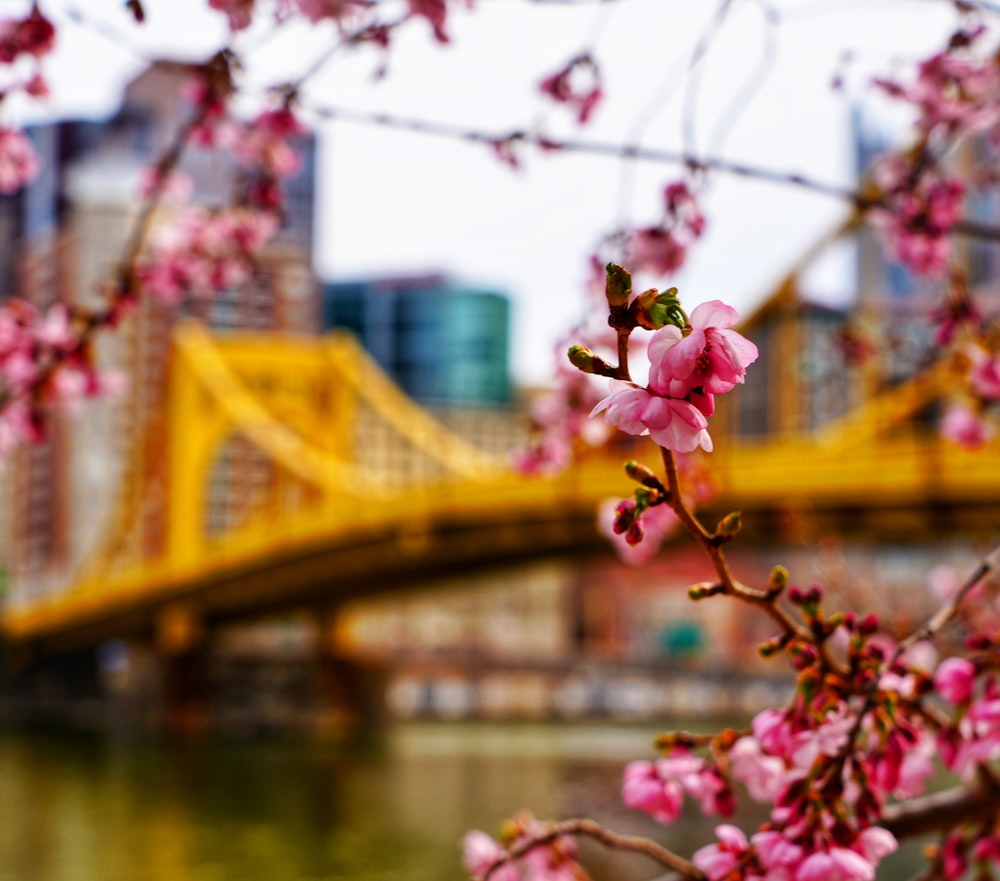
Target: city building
column 444, row 343
column 820, row 360
column 63, row 236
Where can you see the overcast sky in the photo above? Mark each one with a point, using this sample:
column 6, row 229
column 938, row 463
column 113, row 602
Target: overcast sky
column 394, row 202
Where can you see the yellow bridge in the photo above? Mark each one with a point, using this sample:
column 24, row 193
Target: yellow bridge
column 295, row 472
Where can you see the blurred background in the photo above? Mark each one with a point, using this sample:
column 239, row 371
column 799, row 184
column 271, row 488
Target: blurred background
column 283, row 609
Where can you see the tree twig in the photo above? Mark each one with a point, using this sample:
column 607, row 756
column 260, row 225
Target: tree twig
column 592, row 829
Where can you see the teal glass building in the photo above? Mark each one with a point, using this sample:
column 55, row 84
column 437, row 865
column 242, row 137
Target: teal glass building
column 443, row 342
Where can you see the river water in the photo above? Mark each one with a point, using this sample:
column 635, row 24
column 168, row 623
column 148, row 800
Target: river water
column 103, row 808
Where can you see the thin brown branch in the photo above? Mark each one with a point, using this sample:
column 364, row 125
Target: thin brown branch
column 623, row 369
column 989, row 563
column 352, row 38
column 592, row 829
column 968, row 228
column 942, row 810
column 712, row 548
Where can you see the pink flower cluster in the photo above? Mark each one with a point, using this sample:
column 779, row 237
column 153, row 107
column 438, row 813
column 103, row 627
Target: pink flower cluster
column 33, row 35
column 918, row 210
column 554, row 861
column 967, row 423
column 687, row 369
column 662, row 248
column 18, row 161
column 658, row 788
column 355, row 14
column 343, row 12
column 844, row 747
column 205, row 252
column 30, row 37
column 577, row 85
column 636, row 537
column 770, row 855
column 42, row 362
column 783, row 762
column 240, row 13
column 955, row 92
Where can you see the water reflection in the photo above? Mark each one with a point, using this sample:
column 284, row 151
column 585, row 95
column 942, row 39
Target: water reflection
column 103, row 809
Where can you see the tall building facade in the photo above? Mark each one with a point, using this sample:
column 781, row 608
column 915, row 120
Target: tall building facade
column 65, row 236
column 444, row 343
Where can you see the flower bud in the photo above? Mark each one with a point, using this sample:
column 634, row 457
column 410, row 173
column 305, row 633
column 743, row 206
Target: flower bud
column 634, row 533
column 730, row 524
column 778, row 581
column 704, row 589
column 978, row 642
column 641, row 474
column 653, row 310
column 584, row 359
column 868, row 625
column 774, row 645
column 625, row 513
column 618, row 287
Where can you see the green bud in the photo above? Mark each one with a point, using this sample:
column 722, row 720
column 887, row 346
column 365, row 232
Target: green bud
column 703, row 590
column 774, row 645
column 643, row 498
column 778, row 581
column 643, row 307
column 582, row 358
column 618, row 287
column 653, row 310
column 641, row 474
column 768, row 649
column 730, row 524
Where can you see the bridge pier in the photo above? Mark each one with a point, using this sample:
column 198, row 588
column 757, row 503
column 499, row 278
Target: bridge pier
column 59, row 689
column 352, row 694
column 186, row 685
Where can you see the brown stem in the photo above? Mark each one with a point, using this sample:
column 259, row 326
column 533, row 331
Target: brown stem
column 712, row 548
column 356, row 36
column 989, row 563
column 623, row 371
column 592, row 829
column 942, row 810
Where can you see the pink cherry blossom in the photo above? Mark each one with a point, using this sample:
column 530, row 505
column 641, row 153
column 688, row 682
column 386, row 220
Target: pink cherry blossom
column 576, row 85
column 32, row 35
column 874, row 843
column 710, row 356
column 835, row 864
column 917, row 214
column 647, row 790
column 984, row 373
column 776, row 852
column 954, row 679
column 672, row 423
column 763, row 775
column 480, row 851
column 656, row 249
column 18, row 161
column 436, row 12
column 657, row 523
column 264, row 143
column 719, row 859
column 341, row 11
column 662, row 248
column 965, row 427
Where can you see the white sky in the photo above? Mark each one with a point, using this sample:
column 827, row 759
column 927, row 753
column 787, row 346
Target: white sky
column 394, row 202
